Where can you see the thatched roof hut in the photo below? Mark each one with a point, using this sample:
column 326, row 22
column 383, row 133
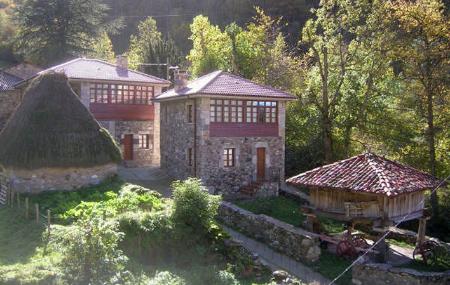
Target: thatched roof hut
column 52, row 129
column 367, row 186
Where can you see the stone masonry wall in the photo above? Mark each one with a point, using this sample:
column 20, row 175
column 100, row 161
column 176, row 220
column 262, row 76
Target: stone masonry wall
column 48, row 179
column 229, row 180
column 176, row 137
column 9, row 100
column 4, row 186
column 294, row 242
column 118, row 130
column 381, row 274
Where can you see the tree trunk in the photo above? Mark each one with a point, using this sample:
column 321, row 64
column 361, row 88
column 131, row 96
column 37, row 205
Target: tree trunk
column 326, row 121
column 431, row 149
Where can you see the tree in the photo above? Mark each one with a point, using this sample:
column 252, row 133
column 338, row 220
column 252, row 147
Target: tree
column 91, row 253
column 50, row 31
column 212, row 48
column 7, row 31
column 102, row 48
column 421, row 48
column 346, row 70
column 148, row 46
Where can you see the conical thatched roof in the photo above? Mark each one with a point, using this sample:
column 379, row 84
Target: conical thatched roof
column 52, row 128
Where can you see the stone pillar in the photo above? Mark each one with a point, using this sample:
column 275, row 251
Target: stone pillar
column 421, row 231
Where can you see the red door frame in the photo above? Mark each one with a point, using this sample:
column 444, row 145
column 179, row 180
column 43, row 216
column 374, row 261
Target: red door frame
column 128, row 147
column 260, row 164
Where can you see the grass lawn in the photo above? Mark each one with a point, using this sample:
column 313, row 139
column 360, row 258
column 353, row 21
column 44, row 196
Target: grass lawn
column 281, row 208
column 288, row 211
column 330, row 266
column 21, row 250
column 401, row 243
column 23, row 261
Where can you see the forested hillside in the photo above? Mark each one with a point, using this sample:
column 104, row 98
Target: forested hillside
column 173, row 17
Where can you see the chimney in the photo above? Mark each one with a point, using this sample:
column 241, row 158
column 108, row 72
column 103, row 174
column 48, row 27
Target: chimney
column 181, row 79
column 122, row 61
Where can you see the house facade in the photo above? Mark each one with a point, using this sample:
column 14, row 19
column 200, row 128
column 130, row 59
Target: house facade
column 122, row 101
column 225, row 130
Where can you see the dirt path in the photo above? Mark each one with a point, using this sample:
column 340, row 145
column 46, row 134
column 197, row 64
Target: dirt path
column 278, row 261
column 150, row 177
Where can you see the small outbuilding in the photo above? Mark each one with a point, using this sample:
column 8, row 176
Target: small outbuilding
column 367, row 186
column 52, row 141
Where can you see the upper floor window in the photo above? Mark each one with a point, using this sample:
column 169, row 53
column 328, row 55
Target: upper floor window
column 190, row 113
column 229, row 159
column 238, row 111
column 121, row 94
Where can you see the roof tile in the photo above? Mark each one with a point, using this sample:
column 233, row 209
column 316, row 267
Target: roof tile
column 367, row 173
column 227, row 84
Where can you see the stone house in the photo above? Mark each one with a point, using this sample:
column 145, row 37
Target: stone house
column 227, row 131
column 9, row 96
column 121, row 100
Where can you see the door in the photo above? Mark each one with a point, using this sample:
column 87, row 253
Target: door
column 128, row 147
column 260, row 164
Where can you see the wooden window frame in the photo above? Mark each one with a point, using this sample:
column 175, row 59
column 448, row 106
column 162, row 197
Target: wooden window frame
column 122, row 94
column 243, row 111
column 229, row 157
column 190, row 113
column 144, row 141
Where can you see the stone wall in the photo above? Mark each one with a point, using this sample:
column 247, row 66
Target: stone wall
column 176, row 137
column 4, row 186
column 9, row 100
column 49, row 179
column 229, row 180
column 381, row 274
column 118, row 130
column 287, row 239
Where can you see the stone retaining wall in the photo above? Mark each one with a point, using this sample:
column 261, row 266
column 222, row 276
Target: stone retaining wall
column 284, row 238
column 4, row 184
column 49, row 179
column 381, row 274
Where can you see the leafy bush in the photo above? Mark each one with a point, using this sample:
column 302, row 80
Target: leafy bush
column 166, row 278
column 114, row 204
column 90, row 252
column 193, row 205
column 226, row 278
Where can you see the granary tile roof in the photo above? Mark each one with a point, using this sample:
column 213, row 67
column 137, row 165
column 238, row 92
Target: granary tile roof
column 367, row 173
column 95, row 69
column 7, row 81
column 222, row 83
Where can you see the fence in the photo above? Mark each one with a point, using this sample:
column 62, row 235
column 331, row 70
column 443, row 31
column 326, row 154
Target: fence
column 22, row 204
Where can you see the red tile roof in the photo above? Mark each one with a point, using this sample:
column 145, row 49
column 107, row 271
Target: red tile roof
column 95, row 69
column 367, row 173
column 221, row 83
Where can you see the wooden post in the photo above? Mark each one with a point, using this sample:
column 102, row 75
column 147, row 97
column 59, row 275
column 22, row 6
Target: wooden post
column 421, row 231
column 48, row 220
column 12, row 199
column 26, row 207
column 18, row 200
column 36, row 207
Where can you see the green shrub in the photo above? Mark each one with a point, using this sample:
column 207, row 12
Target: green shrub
column 193, row 205
column 226, row 278
column 166, row 278
column 90, row 252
